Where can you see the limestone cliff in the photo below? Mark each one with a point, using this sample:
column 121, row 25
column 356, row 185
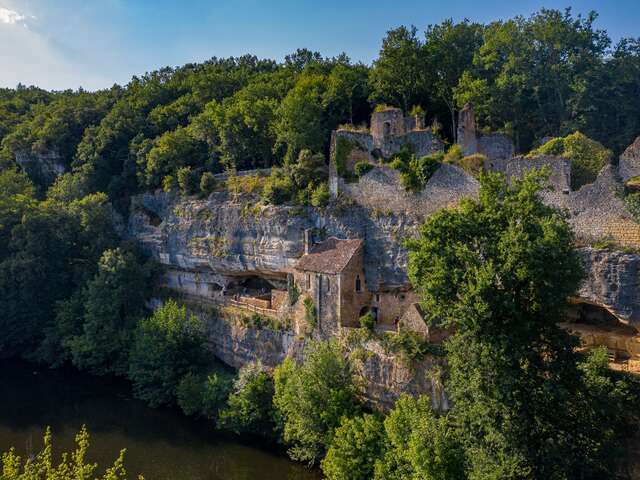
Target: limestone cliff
column 43, row 168
column 613, row 282
column 206, row 244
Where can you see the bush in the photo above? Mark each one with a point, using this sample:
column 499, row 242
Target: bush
column 167, row 346
column 454, row 154
column 342, row 151
column 217, row 387
column 320, row 195
column 207, row 183
column 356, row 444
column 278, row 188
column 189, row 393
column 587, row 156
column 313, row 398
column 415, row 172
column 367, row 321
column 250, row 405
column 245, row 184
column 72, row 466
column 362, row 167
column 187, row 181
column 169, row 183
column 633, row 204
column 419, row 444
column 204, row 394
column 310, row 313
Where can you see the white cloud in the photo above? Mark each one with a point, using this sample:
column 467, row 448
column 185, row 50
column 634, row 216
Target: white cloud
column 30, row 58
column 11, row 17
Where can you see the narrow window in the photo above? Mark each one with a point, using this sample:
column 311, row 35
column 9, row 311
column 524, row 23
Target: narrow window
column 377, row 297
column 358, row 285
column 386, row 129
column 308, row 281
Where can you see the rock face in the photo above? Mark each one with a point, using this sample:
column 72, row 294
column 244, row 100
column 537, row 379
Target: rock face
column 629, row 165
column 613, row 282
column 219, row 239
column 43, row 168
column 385, row 376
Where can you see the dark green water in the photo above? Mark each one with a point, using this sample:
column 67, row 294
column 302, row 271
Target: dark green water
column 161, row 444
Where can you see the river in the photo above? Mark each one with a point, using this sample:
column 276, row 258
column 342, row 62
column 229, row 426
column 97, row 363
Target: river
column 162, row 444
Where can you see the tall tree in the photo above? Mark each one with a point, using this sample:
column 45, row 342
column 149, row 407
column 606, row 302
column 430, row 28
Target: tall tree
column 519, row 399
column 449, row 50
column 398, row 75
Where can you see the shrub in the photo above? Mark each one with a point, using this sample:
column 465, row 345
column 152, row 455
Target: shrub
column 278, row 188
column 203, row 394
column 310, row 313
column 343, row 148
column 245, row 184
column 207, row 183
column 166, row 346
column 189, row 393
column 454, row 154
column 217, row 387
column 362, row 167
column 73, row 464
column 356, row 444
column 186, row 181
column 633, row 204
column 587, row 156
column 311, row 399
column 419, row 444
column 250, row 405
column 320, row 195
column 415, row 172
column 367, row 321
column 169, row 183
column 473, row 164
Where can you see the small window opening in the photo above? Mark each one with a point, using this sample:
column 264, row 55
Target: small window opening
column 377, row 297
column 386, row 128
column 308, row 281
column 358, row 284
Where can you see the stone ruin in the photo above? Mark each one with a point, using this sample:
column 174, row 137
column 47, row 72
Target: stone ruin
column 494, row 146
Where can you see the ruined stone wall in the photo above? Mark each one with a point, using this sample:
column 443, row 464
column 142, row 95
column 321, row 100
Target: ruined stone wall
column 496, row 146
column 387, row 123
column 380, row 189
column 392, row 305
column 413, row 322
column 559, row 168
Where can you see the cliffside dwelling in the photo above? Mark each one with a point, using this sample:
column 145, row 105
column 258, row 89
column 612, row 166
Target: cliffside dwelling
column 271, row 263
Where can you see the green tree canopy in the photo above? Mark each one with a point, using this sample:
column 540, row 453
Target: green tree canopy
column 312, row 398
column 519, row 400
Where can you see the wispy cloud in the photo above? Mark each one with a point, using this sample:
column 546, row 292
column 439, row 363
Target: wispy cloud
column 11, row 17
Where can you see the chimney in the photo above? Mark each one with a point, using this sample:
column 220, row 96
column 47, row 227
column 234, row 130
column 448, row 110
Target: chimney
column 308, row 240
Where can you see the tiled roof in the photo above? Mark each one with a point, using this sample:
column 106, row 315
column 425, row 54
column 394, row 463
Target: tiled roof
column 330, row 256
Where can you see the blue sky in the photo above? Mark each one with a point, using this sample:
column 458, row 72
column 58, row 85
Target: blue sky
column 95, row 43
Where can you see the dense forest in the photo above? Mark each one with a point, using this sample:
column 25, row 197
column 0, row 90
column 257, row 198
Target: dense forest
column 72, row 291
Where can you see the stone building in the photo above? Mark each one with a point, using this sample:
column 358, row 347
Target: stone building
column 331, row 274
column 390, row 130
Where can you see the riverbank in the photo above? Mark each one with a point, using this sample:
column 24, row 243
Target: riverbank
column 161, row 443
